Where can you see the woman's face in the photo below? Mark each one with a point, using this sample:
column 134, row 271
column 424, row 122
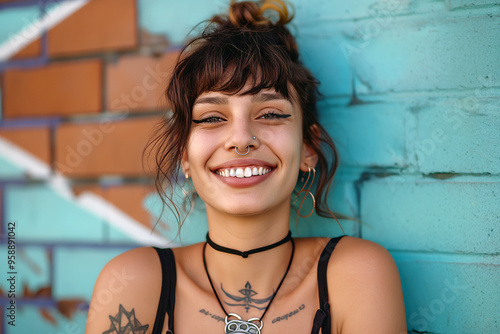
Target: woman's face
column 261, row 180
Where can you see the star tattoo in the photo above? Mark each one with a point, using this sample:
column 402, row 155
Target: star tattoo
column 125, row 323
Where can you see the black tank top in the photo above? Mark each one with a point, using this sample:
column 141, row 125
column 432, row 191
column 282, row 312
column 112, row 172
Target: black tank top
column 322, row 319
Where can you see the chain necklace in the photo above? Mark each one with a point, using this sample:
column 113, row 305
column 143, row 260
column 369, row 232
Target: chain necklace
column 237, row 325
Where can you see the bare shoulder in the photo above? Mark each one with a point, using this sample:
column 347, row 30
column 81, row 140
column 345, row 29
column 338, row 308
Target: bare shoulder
column 355, row 254
column 136, row 268
column 129, row 284
column 365, row 288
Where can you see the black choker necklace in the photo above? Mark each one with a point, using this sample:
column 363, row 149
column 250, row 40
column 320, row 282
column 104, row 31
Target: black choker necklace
column 245, row 326
column 249, row 252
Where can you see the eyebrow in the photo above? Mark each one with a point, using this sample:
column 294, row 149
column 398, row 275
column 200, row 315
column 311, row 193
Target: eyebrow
column 212, row 100
column 257, row 98
column 264, row 97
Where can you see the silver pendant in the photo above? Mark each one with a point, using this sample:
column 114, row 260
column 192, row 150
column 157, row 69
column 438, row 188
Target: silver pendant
column 239, row 326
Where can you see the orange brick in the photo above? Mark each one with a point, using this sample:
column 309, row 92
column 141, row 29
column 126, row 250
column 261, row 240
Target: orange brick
column 105, row 148
column 129, row 199
column 34, row 140
column 156, row 42
column 58, row 89
column 98, row 26
column 78, row 189
column 32, row 50
column 137, row 83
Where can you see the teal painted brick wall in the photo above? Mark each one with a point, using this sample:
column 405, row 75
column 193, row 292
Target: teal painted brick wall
column 450, row 293
column 33, row 266
column 458, row 215
column 50, row 216
column 458, row 140
column 31, row 320
column 77, row 282
column 357, row 132
column 411, row 96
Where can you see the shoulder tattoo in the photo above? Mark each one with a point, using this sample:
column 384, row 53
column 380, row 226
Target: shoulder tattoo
column 125, row 323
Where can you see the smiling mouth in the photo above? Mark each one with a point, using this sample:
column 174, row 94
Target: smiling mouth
column 241, row 172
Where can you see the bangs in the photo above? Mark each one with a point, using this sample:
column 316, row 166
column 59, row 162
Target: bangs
column 251, row 60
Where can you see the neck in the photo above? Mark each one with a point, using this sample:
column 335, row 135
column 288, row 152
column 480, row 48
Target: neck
column 246, row 253
column 248, row 289
column 248, row 231
column 263, row 270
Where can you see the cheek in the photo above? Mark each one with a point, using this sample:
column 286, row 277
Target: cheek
column 287, row 145
column 199, row 148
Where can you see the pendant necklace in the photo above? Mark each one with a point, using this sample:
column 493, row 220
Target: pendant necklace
column 234, row 323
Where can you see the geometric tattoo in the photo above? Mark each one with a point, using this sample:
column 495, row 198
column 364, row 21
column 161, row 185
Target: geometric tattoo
column 125, row 323
column 246, row 299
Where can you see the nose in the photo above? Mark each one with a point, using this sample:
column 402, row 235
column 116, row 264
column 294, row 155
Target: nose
column 242, row 136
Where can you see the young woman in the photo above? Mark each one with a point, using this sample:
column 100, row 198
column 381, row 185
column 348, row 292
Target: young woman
column 244, row 132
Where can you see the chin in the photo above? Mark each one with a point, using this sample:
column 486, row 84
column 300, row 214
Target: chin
column 237, row 209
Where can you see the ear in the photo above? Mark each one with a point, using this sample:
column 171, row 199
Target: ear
column 309, row 156
column 185, row 165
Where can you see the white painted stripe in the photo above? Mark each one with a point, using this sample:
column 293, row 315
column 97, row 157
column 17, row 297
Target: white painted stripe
column 61, row 185
column 121, row 221
column 28, row 163
column 33, row 31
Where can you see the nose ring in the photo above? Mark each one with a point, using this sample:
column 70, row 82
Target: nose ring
column 237, row 152
column 248, row 148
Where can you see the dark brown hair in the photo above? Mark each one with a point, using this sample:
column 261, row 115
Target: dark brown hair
column 253, row 45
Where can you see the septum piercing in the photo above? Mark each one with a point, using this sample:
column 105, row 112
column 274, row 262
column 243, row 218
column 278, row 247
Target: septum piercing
column 248, row 150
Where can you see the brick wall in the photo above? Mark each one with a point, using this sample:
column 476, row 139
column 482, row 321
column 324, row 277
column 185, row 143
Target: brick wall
column 412, row 99
column 78, row 104
column 410, row 96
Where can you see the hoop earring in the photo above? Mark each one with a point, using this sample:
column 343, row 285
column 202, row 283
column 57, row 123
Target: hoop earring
column 308, row 192
column 189, row 195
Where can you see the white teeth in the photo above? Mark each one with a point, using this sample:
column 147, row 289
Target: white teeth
column 242, row 172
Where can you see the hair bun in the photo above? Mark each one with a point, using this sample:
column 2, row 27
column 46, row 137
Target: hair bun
column 265, row 12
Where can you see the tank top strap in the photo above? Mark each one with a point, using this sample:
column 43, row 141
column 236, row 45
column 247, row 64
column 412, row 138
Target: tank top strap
column 166, row 304
column 322, row 319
